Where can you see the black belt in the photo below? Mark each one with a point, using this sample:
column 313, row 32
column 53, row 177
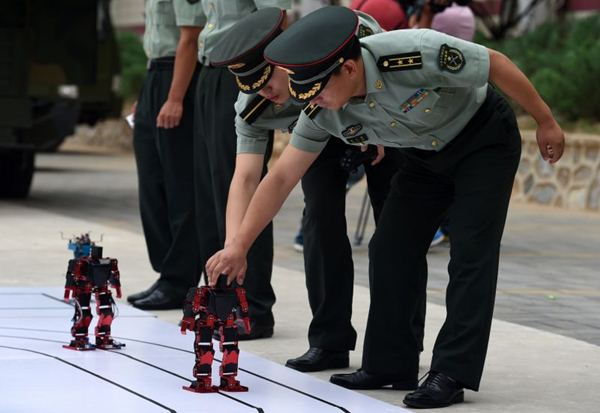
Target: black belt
column 161, row 63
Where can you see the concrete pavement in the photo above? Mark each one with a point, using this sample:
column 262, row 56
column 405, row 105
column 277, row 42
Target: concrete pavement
column 548, row 280
column 528, row 370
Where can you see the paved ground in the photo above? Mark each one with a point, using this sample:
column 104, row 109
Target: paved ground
column 550, row 258
column 548, row 280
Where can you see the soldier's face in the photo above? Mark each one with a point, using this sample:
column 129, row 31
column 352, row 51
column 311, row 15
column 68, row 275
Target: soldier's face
column 276, row 89
column 340, row 88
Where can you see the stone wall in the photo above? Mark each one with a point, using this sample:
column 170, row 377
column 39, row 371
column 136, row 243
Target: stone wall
column 573, row 182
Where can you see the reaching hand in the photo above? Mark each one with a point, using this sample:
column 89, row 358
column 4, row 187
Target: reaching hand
column 551, row 141
column 380, row 155
column 230, row 261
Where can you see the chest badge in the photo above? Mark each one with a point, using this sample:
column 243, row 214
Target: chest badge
column 414, row 100
column 351, row 130
column 358, row 140
column 451, row 59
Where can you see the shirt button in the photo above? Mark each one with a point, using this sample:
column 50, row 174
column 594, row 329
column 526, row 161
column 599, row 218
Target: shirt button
column 427, row 110
column 210, row 25
column 393, row 124
column 434, row 143
column 371, row 104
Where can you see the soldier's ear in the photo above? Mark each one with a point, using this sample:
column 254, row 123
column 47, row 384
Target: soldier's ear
column 350, row 67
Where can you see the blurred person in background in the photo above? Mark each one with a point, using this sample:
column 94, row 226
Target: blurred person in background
column 162, row 140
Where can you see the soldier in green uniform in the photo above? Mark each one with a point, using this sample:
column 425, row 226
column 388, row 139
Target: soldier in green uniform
column 214, row 158
column 265, row 105
column 162, row 138
column 428, row 94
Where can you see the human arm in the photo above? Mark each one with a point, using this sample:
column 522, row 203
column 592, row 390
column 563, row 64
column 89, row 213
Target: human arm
column 246, row 177
column 510, row 80
column 185, row 63
column 266, row 202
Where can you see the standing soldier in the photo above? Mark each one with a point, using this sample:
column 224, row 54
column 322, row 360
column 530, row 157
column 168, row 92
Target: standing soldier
column 264, row 105
column 427, row 93
column 162, row 138
column 214, row 158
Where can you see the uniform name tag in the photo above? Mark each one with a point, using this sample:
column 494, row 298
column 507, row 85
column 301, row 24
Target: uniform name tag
column 360, row 139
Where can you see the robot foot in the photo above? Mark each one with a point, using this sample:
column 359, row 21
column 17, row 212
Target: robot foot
column 231, row 384
column 109, row 344
column 80, row 345
column 201, row 387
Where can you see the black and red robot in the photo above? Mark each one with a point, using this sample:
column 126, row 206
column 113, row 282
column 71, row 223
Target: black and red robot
column 89, row 275
column 207, row 309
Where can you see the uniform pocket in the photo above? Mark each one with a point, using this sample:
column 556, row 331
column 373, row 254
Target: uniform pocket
column 426, row 111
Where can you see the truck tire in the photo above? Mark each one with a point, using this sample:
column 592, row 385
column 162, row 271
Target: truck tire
column 16, row 172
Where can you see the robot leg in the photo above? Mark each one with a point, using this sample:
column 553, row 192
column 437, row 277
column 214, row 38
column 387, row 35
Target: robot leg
column 203, row 348
column 104, row 309
column 229, row 365
column 81, row 322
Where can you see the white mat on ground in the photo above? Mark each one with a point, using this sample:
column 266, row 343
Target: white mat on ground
column 38, row 375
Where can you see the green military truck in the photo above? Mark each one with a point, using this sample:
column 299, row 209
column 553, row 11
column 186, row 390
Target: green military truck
column 59, row 66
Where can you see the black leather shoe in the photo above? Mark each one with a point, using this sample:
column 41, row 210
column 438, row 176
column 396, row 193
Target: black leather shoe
column 317, row 359
column 161, row 299
column 143, row 294
column 438, row 390
column 361, row 380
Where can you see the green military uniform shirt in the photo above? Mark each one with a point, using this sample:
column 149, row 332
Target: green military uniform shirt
column 163, row 19
column 253, row 130
column 222, row 14
column 422, row 88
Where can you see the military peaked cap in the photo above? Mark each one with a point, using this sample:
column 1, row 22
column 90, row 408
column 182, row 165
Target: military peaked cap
column 312, row 48
column 241, row 48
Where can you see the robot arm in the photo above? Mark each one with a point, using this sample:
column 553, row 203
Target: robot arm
column 70, row 280
column 241, row 295
column 115, row 276
column 187, row 323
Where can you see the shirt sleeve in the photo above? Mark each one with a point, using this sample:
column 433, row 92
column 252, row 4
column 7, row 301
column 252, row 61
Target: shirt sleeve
column 250, row 138
column 367, row 22
column 187, row 14
column 307, row 136
column 452, row 62
column 282, row 4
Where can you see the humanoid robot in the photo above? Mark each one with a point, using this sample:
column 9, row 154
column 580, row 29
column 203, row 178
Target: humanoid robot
column 87, row 275
column 207, row 309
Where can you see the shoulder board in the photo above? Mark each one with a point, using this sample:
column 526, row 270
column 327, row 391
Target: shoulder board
column 402, row 61
column 311, row 110
column 254, row 109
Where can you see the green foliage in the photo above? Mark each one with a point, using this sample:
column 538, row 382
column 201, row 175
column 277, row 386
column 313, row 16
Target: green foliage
column 133, row 62
column 563, row 62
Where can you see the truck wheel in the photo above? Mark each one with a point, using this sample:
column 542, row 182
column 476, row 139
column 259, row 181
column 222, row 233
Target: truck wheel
column 16, row 171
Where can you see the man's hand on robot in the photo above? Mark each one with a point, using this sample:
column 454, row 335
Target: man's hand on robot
column 187, row 324
column 230, row 261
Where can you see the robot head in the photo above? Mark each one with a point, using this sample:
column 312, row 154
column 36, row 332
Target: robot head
column 96, row 252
